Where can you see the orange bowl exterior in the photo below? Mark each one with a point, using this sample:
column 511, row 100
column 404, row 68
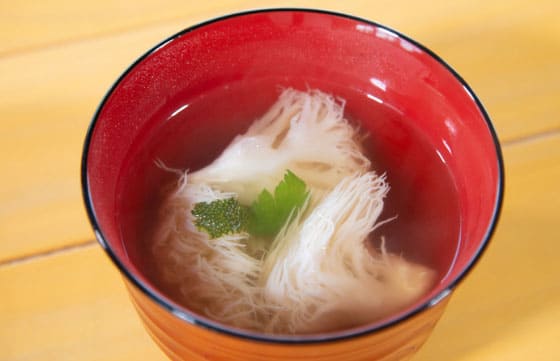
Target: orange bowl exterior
column 183, row 341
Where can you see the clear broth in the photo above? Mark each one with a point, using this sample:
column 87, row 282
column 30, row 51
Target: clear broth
column 189, row 132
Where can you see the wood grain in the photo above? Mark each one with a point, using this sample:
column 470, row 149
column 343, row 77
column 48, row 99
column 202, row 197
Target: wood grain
column 58, row 58
column 73, row 305
column 49, row 98
column 69, row 306
column 509, row 307
column 28, row 26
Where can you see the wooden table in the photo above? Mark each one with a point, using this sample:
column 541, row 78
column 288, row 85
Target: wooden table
column 61, row 298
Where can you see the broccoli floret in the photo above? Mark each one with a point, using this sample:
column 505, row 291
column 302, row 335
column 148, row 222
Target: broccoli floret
column 221, row 217
column 264, row 218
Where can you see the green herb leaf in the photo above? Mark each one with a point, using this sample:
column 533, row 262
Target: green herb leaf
column 269, row 213
column 264, row 218
column 220, row 217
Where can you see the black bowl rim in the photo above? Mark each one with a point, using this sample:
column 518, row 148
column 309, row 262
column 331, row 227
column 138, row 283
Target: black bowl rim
column 184, row 315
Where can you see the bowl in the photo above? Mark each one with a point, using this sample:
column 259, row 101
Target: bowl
column 432, row 136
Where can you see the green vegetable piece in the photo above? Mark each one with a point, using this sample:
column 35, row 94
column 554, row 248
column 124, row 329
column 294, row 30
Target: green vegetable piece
column 270, row 212
column 264, row 218
column 220, row 217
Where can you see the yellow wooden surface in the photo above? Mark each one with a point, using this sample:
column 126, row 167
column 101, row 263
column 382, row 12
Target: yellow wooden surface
column 60, row 299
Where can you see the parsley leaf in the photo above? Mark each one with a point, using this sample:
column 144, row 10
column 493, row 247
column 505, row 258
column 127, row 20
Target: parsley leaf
column 264, row 218
column 269, row 213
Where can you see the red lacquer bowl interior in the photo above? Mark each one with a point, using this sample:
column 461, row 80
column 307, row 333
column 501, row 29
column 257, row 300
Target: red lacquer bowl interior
column 221, row 75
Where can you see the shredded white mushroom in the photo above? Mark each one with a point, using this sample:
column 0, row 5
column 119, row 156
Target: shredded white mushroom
column 319, row 275
column 305, row 132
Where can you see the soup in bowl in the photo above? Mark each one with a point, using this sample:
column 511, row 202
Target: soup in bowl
column 291, row 184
